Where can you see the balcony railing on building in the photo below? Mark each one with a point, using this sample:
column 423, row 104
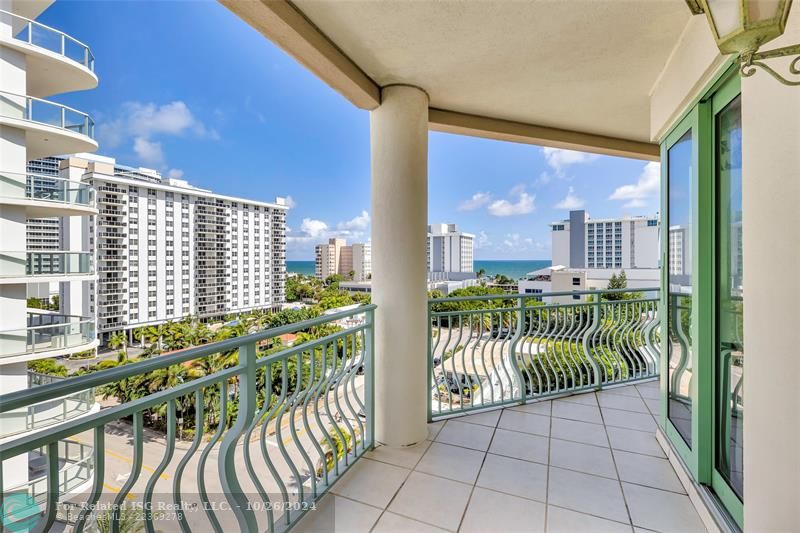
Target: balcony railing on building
column 491, row 351
column 45, row 264
column 37, row 34
column 19, row 106
column 46, row 332
column 287, row 422
column 46, row 189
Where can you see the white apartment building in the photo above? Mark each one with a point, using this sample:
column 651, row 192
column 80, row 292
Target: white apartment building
column 167, row 250
column 337, row 257
column 362, row 261
column 43, row 218
column 620, row 243
column 450, row 250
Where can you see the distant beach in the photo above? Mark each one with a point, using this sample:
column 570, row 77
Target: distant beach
column 511, row 269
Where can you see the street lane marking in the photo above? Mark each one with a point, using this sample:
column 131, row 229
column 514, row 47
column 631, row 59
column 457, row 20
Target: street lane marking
column 126, row 459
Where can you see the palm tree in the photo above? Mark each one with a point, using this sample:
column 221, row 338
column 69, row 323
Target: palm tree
column 119, row 341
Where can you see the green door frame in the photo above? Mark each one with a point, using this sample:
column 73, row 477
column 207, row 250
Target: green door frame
column 700, row 119
column 723, row 96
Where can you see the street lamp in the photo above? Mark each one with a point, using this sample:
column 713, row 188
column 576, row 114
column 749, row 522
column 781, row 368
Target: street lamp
column 741, row 27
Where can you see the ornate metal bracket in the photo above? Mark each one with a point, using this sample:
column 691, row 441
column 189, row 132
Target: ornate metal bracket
column 749, row 61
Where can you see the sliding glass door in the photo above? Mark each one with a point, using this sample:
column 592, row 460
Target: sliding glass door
column 728, row 450
column 702, row 292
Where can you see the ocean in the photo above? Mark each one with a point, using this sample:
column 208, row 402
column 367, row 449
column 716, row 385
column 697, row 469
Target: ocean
column 511, row 269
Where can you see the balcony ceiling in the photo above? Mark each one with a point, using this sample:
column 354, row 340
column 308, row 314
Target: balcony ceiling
column 580, row 65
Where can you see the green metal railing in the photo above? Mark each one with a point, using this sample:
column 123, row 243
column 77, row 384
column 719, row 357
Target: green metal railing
column 273, row 428
column 491, row 351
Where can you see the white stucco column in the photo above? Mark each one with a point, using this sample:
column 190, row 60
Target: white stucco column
column 771, row 255
column 399, row 151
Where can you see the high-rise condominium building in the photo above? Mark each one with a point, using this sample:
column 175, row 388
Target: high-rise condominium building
column 450, row 250
column 617, row 243
column 43, row 215
column 337, row 257
column 168, row 250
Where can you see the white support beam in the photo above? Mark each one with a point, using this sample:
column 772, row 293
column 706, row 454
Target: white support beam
column 506, row 130
column 280, row 22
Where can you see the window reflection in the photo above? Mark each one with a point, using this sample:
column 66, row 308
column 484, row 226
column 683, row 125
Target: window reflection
column 679, row 257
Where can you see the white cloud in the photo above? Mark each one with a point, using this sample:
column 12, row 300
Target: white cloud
column 313, row 231
column 504, row 208
column 570, row 201
column 174, row 118
column 647, row 186
column 149, row 152
column 483, row 240
column 358, row 223
column 313, row 228
column 175, row 173
column 142, row 123
column 290, row 202
column 559, row 159
column 478, row 200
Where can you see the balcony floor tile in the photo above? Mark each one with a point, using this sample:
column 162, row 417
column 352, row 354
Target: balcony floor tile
column 452, row 462
column 576, row 411
column 394, row 523
column 434, row 500
column 371, row 482
column 561, row 520
column 520, row 446
column 466, row 435
column 583, row 458
column 478, row 477
column 577, row 431
column 513, row 476
column 661, row 510
column 493, row 511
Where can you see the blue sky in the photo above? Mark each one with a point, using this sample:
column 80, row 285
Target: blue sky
column 191, row 90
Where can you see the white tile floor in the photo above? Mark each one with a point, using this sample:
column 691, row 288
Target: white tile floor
column 587, row 463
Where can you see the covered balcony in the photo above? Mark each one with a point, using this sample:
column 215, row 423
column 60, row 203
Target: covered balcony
column 603, row 414
column 548, row 411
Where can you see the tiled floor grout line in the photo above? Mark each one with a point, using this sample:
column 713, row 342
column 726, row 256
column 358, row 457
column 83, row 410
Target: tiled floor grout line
column 547, row 474
column 474, row 483
column 399, row 488
column 619, row 480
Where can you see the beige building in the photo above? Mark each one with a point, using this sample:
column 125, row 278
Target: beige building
column 337, row 257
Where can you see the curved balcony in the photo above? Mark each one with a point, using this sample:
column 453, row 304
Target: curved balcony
column 46, row 413
column 47, row 335
column 75, row 471
column 50, row 128
column 47, row 196
column 56, row 62
column 23, row 267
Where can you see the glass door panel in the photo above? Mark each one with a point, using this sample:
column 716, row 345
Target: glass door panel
column 679, row 258
column 729, row 295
